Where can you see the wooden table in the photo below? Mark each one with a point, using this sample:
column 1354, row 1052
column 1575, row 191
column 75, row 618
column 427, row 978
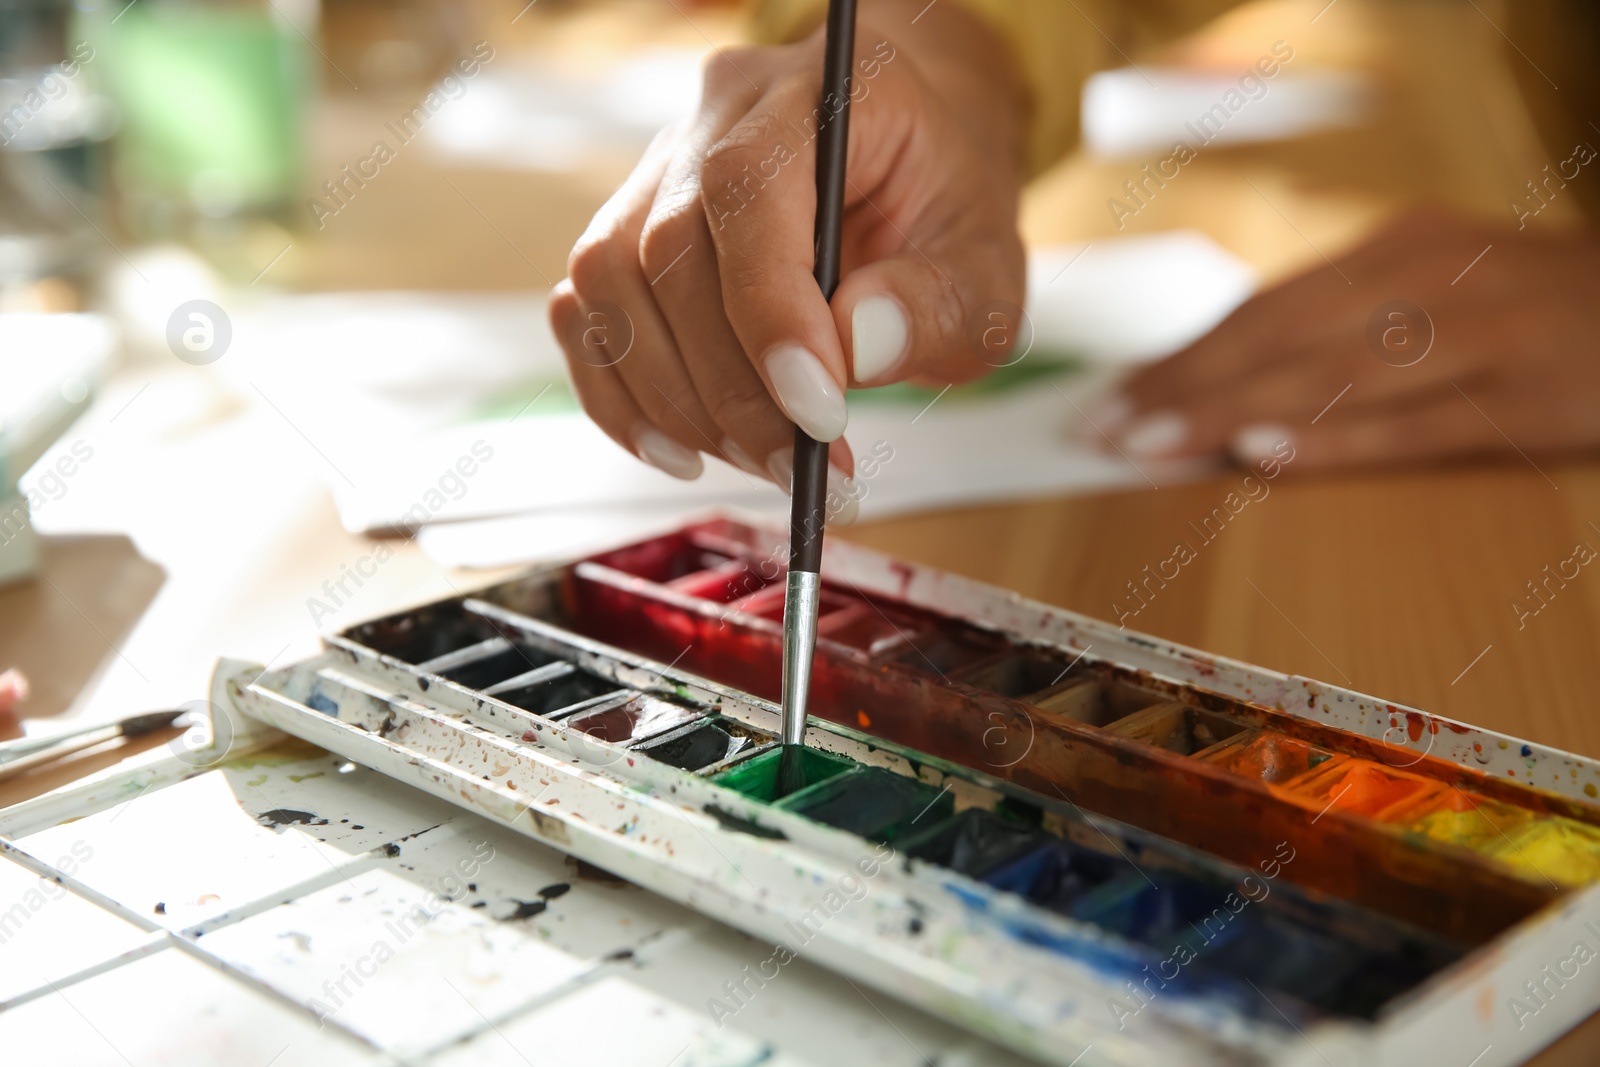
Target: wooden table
column 1397, row 583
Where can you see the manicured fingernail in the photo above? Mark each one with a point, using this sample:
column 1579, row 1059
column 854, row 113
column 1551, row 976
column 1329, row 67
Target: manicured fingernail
column 13, row 686
column 662, row 452
column 1262, row 442
column 780, row 465
column 808, row 393
column 878, row 332
column 844, row 498
column 1109, row 412
column 1102, row 418
column 739, row 457
column 1155, row 435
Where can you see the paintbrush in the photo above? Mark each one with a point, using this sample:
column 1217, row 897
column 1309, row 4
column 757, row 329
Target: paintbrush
column 17, row 756
column 809, row 488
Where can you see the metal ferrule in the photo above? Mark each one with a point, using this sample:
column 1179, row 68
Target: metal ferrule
column 799, row 645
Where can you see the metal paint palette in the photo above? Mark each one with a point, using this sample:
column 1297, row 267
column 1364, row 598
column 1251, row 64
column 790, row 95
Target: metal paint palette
column 1060, row 835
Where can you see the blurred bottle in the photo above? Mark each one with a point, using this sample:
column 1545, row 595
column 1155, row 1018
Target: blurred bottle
column 212, row 97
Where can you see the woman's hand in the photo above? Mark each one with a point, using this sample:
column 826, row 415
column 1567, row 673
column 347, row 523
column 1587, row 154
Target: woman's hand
column 690, row 318
column 1439, row 338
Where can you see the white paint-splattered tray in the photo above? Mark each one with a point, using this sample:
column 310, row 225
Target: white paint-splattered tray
column 1295, row 873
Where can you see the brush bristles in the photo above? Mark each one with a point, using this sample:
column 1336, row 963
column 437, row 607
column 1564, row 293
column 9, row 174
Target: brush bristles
column 791, row 776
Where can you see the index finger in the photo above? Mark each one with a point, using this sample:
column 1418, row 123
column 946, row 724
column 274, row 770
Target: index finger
column 758, row 190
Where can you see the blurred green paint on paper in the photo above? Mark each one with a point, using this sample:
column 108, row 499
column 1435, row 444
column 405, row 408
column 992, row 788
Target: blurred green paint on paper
column 1032, row 370
column 553, row 396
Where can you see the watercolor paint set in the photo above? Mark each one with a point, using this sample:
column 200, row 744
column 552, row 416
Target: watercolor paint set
column 1086, row 844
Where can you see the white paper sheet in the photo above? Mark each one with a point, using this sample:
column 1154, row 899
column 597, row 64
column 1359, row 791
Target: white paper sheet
column 452, row 412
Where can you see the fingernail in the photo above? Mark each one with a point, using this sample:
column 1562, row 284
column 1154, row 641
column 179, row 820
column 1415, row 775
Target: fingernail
column 1155, row 435
column 739, row 457
column 1102, row 417
column 808, row 393
column 878, row 332
column 1260, row 443
column 844, row 501
column 1109, row 413
column 14, row 685
column 663, row 453
column 780, row 465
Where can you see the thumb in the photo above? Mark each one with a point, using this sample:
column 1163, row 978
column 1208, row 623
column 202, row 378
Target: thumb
column 918, row 314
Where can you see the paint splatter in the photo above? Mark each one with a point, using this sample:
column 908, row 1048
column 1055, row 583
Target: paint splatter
column 278, row 818
column 526, row 909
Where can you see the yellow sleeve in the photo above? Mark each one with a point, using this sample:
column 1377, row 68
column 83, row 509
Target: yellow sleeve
column 1054, row 57
column 1057, row 45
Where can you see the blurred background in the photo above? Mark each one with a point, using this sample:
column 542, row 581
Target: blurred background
column 249, row 253
column 270, row 271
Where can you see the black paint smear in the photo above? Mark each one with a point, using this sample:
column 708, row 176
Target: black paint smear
column 527, row 909
column 590, row 873
column 148, row 723
column 550, row 892
column 161, row 907
column 278, row 818
column 739, row 824
column 419, row 833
